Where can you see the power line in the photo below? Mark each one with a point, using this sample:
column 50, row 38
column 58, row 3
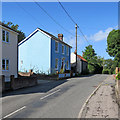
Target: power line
column 66, row 12
column 83, row 35
column 52, row 18
column 29, row 14
column 73, row 21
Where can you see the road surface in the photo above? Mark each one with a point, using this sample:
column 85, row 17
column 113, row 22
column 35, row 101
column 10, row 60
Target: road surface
column 50, row 99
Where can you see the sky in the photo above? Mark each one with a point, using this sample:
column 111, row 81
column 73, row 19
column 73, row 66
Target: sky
column 95, row 19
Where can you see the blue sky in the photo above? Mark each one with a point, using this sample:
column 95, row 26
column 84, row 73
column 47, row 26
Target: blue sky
column 95, row 19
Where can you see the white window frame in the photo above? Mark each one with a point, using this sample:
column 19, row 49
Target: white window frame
column 61, row 61
column 6, row 36
column 6, row 64
column 63, row 50
column 67, row 67
column 55, row 46
column 67, row 48
column 57, row 63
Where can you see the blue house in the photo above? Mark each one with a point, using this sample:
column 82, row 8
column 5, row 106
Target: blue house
column 44, row 53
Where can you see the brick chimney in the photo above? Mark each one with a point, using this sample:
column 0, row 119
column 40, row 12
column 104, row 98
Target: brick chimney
column 60, row 36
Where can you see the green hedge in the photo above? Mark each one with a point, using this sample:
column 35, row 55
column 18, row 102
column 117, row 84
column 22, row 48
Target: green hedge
column 105, row 71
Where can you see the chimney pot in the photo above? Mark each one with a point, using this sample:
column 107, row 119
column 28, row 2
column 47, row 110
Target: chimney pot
column 60, row 36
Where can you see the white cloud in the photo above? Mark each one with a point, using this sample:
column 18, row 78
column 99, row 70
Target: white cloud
column 101, row 35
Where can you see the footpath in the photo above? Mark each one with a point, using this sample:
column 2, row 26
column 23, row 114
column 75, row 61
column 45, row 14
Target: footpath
column 102, row 103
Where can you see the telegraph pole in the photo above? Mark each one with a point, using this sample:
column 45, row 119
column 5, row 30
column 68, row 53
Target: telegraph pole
column 76, row 47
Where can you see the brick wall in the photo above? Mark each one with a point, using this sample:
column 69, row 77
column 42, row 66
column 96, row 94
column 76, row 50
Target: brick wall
column 22, row 82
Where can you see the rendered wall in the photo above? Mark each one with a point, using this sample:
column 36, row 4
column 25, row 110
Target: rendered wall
column 35, row 54
column 59, row 56
column 9, row 51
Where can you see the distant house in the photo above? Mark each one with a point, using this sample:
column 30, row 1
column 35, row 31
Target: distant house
column 44, row 53
column 82, row 64
column 9, row 52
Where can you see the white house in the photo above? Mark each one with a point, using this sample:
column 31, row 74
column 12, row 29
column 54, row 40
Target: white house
column 9, row 52
column 82, row 64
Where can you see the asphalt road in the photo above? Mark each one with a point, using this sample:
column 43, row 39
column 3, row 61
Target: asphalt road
column 50, row 99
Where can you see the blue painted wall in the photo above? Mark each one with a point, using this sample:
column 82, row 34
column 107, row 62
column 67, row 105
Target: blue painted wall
column 59, row 56
column 35, row 53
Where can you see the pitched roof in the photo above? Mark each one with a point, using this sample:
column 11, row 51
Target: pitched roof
column 4, row 25
column 50, row 35
column 82, row 58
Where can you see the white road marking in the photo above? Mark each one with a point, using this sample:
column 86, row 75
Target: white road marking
column 15, row 112
column 50, row 94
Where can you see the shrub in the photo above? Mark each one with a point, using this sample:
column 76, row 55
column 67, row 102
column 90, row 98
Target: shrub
column 114, row 72
column 91, row 68
column 118, row 76
column 85, row 72
column 105, row 71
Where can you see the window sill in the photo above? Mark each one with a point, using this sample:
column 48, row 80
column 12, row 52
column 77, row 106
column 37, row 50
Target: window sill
column 5, row 70
column 56, row 69
column 5, row 42
column 67, row 69
column 56, row 51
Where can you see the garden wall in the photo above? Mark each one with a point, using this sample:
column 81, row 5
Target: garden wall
column 22, row 82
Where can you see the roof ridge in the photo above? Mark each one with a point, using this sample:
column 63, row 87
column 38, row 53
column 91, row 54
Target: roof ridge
column 54, row 37
column 49, row 34
column 82, row 58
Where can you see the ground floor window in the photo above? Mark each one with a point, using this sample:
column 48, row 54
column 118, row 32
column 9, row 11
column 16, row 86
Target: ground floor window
column 62, row 62
column 56, row 63
column 5, row 64
column 67, row 65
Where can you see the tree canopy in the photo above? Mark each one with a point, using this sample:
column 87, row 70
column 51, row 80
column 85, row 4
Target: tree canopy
column 113, row 46
column 95, row 63
column 89, row 53
column 21, row 35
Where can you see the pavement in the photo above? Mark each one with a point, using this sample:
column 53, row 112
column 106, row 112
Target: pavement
column 103, row 103
column 50, row 99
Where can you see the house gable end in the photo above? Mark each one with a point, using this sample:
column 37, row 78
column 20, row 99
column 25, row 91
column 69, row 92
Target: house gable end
column 33, row 33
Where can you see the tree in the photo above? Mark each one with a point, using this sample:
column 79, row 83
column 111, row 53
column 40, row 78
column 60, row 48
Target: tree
column 109, row 66
column 113, row 46
column 89, row 53
column 21, row 35
column 94, row 62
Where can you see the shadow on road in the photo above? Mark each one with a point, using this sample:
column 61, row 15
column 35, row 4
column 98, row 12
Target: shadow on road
column 40, row 88
column 89, row 75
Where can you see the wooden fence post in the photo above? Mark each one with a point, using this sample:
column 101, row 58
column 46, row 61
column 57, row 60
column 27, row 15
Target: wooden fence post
column 2, row 83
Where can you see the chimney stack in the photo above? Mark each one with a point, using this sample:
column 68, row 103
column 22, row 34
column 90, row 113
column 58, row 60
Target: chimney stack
column 60, row 36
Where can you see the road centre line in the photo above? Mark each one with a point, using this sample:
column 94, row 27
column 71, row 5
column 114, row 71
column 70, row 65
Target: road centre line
column 14, row 112
column 50, row 94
